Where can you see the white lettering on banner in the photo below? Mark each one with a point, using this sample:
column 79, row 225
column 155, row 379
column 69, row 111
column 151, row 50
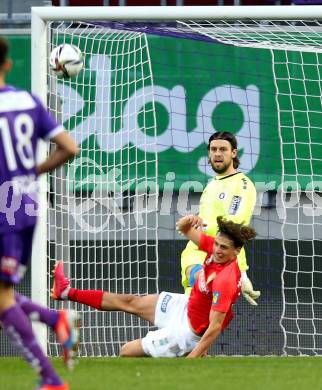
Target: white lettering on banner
column 72, row 102
column 176, row 134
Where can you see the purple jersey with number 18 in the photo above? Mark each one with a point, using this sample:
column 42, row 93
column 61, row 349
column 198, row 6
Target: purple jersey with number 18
column 23, row 121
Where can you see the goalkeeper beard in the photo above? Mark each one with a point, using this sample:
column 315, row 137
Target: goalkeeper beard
column 221, row 170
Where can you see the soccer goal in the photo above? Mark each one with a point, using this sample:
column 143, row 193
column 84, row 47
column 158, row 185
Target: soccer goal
column 158, row 81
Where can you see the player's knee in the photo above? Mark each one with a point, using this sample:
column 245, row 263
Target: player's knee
column 132, row 349
column 125, row 350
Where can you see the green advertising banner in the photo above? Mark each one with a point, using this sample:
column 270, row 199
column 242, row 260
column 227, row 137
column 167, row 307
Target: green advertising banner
column 20, row 52
column 224, row 89
column 199, row 88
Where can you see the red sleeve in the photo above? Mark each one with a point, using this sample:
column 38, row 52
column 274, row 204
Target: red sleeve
column 225, row 288
column 206, row 244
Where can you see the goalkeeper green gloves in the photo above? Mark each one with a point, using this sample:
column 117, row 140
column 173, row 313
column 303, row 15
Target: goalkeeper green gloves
column 248, row 291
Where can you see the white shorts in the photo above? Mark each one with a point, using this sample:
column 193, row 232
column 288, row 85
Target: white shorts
column 174, row 336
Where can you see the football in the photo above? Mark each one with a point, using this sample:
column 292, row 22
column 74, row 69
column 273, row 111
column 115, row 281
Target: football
column 66, row 60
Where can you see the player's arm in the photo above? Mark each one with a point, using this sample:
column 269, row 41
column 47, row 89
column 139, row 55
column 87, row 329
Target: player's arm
column 216, row 319
column 66, row 148
column 190, row 226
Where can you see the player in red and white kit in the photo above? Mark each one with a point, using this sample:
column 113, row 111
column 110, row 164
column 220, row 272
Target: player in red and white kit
column 217, row 287
column 187, row 325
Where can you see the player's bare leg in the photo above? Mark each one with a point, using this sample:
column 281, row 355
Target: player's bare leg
column 143, row 307
column 132, row 349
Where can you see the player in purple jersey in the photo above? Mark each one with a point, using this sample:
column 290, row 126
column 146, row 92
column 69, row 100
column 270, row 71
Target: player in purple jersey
column 23, row 121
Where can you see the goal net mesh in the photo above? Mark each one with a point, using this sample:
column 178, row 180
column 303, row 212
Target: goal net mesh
column 295, row 48
column 102, row 217
column 142, row 111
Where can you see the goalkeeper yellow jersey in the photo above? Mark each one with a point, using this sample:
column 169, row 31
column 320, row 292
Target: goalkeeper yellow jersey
column 232, row 197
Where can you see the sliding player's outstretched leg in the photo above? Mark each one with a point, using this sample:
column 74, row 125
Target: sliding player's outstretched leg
column 143, row 307
column 61, row 284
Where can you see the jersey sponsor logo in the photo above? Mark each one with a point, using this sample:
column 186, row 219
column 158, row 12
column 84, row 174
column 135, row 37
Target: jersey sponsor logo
column 222, row 196
column 164, row 303
column 215, row 297
column 234, row 205
column 9, row 265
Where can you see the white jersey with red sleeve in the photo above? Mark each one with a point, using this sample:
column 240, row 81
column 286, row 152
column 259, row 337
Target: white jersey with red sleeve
column 217, row 288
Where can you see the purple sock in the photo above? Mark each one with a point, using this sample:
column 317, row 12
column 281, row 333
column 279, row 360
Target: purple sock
column 36, row 312
column 19, row 330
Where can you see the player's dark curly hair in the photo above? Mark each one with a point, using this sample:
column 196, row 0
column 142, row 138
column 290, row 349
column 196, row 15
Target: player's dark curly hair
column 227, row 136
column 237, row 232
column 4, row 50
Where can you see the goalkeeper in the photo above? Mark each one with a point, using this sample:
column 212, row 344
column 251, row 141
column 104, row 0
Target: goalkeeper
column 230, row 194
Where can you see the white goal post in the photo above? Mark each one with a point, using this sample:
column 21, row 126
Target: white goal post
column 292, row 35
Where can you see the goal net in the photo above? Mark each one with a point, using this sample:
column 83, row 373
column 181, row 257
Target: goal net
column 142, row 110
column 296, row 55
column 102, row 217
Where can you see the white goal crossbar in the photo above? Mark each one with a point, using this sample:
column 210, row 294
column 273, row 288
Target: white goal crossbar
column 174, row 13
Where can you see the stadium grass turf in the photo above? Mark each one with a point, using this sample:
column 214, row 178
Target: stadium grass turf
column 222, row 373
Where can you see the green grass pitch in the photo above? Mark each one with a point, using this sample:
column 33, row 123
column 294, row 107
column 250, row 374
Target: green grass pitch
column 218, row 373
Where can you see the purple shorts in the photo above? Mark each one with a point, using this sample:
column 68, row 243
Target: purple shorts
column 15, row 252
